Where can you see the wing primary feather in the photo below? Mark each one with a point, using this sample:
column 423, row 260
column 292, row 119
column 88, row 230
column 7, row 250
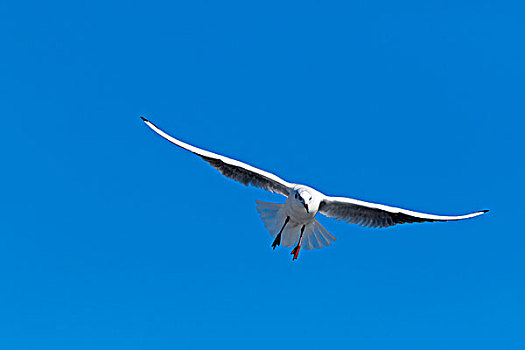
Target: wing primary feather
column 378, row 215
column 231, row 168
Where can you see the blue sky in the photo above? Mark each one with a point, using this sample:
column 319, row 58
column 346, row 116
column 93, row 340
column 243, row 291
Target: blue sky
column 113, row 238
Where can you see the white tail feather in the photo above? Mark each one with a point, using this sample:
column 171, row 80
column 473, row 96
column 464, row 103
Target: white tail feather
column 314, row 236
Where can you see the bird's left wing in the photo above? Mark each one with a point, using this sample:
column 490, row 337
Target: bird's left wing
column 378, row 215
column 238, row 171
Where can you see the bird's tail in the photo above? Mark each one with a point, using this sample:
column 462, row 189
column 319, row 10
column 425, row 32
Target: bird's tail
column 315, row 235
column 271, row 216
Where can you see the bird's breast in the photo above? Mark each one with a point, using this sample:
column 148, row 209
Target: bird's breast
column 297, row 212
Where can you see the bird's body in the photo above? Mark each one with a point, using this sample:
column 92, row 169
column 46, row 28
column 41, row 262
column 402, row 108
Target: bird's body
column 294, row 222
column 305, row 206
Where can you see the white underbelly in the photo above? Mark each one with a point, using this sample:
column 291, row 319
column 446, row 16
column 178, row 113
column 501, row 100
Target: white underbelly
column 299, row 215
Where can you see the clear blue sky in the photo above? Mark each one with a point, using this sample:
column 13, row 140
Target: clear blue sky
column 111, row 238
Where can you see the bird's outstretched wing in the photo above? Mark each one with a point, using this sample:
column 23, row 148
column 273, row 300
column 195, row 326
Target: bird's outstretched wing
column 238, row 171
column 377, row 215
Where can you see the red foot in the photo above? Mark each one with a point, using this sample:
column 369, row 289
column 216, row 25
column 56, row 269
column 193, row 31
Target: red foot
column 295, row 251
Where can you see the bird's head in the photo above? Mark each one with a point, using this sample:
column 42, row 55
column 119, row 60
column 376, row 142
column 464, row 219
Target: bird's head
column 305, row 198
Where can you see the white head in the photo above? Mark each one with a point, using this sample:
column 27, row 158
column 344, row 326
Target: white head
column 305, row 198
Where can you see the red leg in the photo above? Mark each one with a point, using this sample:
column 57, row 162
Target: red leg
column 295, row 251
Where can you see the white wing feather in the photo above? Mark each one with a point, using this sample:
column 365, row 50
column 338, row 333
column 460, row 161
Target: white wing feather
column 379, row 215
column 238, row 171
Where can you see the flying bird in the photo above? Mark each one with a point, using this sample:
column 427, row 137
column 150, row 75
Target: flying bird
column 293, row 224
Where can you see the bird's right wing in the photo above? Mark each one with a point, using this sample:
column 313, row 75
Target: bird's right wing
column 378, row 215
column 238, row 171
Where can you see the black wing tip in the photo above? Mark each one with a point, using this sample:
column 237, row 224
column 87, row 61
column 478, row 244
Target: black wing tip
column 144, row 119
column 485, row 211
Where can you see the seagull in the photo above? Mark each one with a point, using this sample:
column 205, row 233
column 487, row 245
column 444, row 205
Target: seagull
column 293, row 224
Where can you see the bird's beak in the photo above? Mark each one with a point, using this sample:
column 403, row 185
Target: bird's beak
column 306, row 206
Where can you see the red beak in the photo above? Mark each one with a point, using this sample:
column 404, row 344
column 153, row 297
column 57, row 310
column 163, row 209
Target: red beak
column 306, row 206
